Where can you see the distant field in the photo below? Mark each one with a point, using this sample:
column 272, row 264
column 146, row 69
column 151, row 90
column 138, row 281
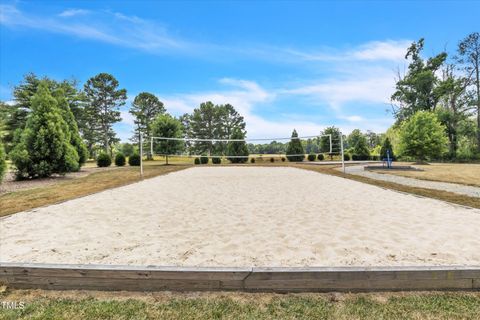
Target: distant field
column 468, row 174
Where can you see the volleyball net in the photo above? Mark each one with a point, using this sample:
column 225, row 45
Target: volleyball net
column 219, row 150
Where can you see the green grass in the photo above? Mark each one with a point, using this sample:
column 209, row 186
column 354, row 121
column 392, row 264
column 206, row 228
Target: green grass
column 450, row 305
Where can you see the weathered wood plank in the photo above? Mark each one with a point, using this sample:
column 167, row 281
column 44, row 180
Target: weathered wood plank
column 153, row 278
column 125, row 274
column 356, row 285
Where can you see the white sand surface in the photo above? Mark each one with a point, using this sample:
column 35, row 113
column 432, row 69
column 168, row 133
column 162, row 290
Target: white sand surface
column 245, row 216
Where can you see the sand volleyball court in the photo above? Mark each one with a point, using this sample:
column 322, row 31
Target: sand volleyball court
column 245, row 216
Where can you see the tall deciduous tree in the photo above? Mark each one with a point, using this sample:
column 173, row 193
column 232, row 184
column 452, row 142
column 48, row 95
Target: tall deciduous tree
column 325, row 141
column 145, row 108
column 104, row 99
column 44, row 147
column 417, row 90
column 164, row 125
column 453, row 104
column 358, row 143
column 422, row 136
column 295, row 150
column 211, row 121
column 469, row 55
column 3, row 164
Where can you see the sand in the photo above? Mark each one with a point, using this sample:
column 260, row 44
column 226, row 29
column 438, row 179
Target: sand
column 245, row 216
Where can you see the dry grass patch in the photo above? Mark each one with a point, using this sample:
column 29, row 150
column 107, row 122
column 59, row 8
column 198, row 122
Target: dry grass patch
column 70, row 189
column 467, row 174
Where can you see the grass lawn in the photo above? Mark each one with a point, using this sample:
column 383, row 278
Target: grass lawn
column 468, row 174
column 164, row 305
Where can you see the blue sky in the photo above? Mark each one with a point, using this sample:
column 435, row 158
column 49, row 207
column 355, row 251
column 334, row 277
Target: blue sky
column 283, row 65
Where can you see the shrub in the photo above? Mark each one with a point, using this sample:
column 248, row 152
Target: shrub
column 120, row 159
column 272, row 159
column 360, row 157
column 252, row 160
column 346, row 157
column 104, row 160
column 203, row 159
column 216, row 160
column 374, row 158
column 311, row 157
column 3, row 164
column 283, row 159
column 320, row 157
column 197, row 161
column 134, row 160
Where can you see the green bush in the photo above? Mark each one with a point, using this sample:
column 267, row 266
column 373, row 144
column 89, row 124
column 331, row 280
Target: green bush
column 346, row 157
column 320, row 157
column 374, row 158
column 311, row 157
column 252, row 160
column 104, row 160
column 203, row 159
column 216, row 160
column 197, row 161
column 360, row 157
column 120, row 160
column 272, row 159
column 3, row 164
column 134, row 160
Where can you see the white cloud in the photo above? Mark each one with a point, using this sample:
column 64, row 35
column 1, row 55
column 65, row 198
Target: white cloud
column 73, row 12
column 103, row 26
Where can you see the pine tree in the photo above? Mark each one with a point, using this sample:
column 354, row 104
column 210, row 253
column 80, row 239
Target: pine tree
column 75, row 140
column 237, row 148
column 295, row 150
column 387, row 145
column 102, row 109
column 44, row 147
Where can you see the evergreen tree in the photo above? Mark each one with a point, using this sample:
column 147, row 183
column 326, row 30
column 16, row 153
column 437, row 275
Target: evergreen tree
column 44, row 147
column 387, row 145
column 295, row 150
column 67, row 114
column 237, row 148
column 102, row 110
